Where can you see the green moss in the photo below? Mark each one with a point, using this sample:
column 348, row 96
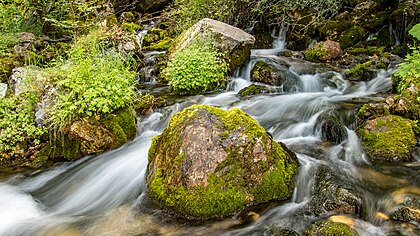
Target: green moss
column 231, row 187
column 360, row 72
column 130, row 27
column 369, row 51
column 122, row 125
column 330, row 228
column 161, row 45
column 389, row 138
column 352, row 36
column 315, row 53
column 144, row 104
column 253, row 89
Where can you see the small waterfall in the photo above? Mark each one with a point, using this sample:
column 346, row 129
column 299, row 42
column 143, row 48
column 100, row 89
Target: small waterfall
column 140, row 37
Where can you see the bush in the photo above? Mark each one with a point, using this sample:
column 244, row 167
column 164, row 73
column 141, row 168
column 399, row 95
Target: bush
column 196, row 69
column 94, row 81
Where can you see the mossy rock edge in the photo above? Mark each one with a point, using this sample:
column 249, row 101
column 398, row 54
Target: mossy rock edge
column 210, row 163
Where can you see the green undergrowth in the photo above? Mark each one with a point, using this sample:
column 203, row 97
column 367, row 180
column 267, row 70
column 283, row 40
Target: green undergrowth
column 95, row 80
column 17, row 123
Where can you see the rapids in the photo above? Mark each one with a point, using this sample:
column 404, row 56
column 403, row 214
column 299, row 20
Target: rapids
column 105, row 194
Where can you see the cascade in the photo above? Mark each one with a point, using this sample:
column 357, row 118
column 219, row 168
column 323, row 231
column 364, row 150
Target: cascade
column 107, row 191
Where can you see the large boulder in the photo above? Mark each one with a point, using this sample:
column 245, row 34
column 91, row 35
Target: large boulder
column 210, row 163
column 233, row 42
column 388, row 138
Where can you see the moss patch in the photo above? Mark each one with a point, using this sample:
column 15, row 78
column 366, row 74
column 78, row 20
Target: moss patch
column 389, row 138
column 361, row 72
column 330, row 228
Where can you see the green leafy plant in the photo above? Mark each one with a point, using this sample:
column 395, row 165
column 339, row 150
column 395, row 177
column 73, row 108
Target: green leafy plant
column 196, row 69
column 94, row 81
column 415, row 32
column 17, row 125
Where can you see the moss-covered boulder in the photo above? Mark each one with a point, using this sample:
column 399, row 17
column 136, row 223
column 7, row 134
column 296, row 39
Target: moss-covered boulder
column 361, row 72
column 276, row 75
column 388, row 138
column 87, row 136
column 157, row 40
column 323, row 51
column 329, row 196
column 253, row 89
column 331, row 128
column 234, row 43
column 210, row 163
column 330, row 228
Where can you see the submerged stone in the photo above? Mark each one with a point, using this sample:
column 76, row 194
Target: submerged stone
column 328, row 196
column 388, row 138
column 276, row 75
column 408, row 212
column 209, row 163
column 331, row 128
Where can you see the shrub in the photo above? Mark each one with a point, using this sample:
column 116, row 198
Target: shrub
column 94, row 81
column 196, row 69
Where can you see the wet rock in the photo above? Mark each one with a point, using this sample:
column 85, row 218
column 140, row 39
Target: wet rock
column 409, row 211
column 352, row 36
column 210, row 163
column 362, row 72
column 326, row 227
column 253, row 89
column 388, row 138
column 234, row 43
column 323, row 51
column 146, row 104
column 276, row 75
column 406, row 14
column 89, row 136
column 273, row 231
column 373, row 109
column 331, row 128
column 328, row 196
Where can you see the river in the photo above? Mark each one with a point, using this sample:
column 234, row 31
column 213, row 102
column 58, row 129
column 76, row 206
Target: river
column 105, row 194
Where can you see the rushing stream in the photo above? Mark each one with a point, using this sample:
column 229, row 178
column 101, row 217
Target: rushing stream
column 104, row 194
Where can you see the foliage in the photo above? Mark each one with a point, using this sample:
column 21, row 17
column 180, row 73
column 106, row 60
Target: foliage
column 189, row 12
column 95, row 81
column 408, row 72
column 7, row 41
column 415, row 31
column 196, row 69
column 298, row 14
column 15, row 16
column 17, row 123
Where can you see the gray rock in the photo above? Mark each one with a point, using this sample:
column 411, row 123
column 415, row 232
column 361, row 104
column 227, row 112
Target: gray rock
column 235, row 43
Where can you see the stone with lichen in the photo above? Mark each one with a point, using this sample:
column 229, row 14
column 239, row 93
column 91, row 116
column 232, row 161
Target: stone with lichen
column 209, row 163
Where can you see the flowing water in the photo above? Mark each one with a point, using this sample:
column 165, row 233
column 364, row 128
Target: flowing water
column 104, row 194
